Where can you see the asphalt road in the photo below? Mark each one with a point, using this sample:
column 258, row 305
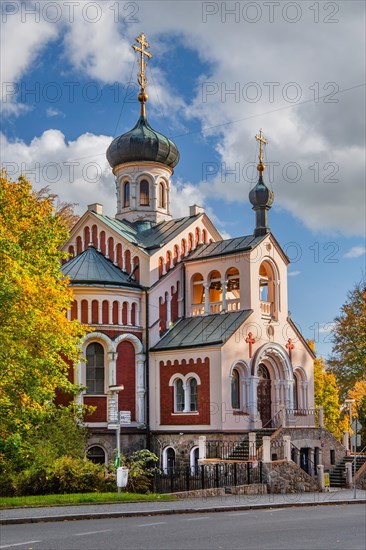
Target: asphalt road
column 317, row 528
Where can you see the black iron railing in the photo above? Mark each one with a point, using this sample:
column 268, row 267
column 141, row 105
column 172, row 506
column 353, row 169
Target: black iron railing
column 207, row 476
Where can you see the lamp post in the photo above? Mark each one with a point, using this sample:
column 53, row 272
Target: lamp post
column 352, row 447
column 114, row 391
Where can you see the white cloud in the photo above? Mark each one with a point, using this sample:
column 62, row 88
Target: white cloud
column 327, row 328
column 20, row 44
column 293, row 273
column 355, row 252
column 52, row 112
column 77, row 170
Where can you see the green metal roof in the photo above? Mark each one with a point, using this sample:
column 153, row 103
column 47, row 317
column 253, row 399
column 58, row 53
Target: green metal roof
column 91, row 267
column 146, row 236
column 228, row 246
column 210, row 330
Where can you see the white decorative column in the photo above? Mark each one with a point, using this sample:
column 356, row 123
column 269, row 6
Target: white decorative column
column 140, row 388
column 78, row 310
column 79, row 381
column 305, row 394
column 89, row 312
column 137, row 313
column 187, row 400
column 68, row 314
column 129, row 310
column 287, row 447
column 253, row 398
column 202, row 447
column 207, row 298
column 224, row 300
column 276, row 384
column 168, row 311
column 291, row 386
column 100, row 312
column 115, row 255
column 110, row 307
column 266, row 456
column 120, row 306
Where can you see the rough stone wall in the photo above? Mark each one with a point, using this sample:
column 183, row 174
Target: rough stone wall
column 254, row 489
column 361, row 478
column 286, row 477
column 130, row 442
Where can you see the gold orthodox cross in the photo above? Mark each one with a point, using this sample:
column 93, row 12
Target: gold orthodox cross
column 262, row 141
column 142, row 80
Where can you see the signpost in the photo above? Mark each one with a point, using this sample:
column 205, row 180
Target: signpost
column 356, row 428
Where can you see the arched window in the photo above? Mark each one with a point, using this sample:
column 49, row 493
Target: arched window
column 168, row 460
column 193, row 395
column 198, row 295
column 144, row 193
column 215, row 292
column 178, row 395
column 268, row 289
column 96, row 455
column 162, row 195
column 126, row 194
column 235, row 390
column 233, row 289
column 193, row 460
column 94, row 368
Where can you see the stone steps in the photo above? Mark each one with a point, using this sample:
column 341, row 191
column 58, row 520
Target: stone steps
column 337, row 476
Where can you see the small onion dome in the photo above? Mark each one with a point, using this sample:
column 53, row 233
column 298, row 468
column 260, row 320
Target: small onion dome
column 142, row 143
column 260, row 195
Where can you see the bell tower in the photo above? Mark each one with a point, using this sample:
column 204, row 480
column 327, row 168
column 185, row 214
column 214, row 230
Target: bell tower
column 142, row 161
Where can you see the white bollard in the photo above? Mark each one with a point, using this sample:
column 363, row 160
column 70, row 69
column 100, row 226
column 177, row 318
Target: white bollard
column 348, row 466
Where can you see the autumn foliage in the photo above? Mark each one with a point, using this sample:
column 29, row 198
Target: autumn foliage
column 38, row 343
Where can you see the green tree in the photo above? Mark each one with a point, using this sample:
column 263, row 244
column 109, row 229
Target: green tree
column 38, row 344
column 348, row 360
column 326, row 395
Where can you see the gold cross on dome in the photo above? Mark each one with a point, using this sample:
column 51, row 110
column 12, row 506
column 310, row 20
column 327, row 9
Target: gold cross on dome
column 142, row 80
column 262, row 141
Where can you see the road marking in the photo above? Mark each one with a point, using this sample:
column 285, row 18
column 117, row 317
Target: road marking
column 275, row 510
column 91, row 533
column 196, row 519
column 149, row 524
column 19, row 543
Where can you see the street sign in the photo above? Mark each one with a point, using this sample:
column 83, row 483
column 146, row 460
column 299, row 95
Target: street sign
column 356, row 426
column 124, row 418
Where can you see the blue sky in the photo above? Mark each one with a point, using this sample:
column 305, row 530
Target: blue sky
column 216, row 78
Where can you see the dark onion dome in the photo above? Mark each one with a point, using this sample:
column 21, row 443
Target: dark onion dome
column 260, row 195
column 142, row 143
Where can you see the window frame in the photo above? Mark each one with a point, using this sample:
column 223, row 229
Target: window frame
column 89, row 380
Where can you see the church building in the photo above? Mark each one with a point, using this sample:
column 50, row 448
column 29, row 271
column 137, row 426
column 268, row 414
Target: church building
column 191, row 332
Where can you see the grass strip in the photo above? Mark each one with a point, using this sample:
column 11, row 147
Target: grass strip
column 77, row 498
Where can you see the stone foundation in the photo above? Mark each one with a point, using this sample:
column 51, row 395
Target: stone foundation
column 130, row 441
column 286, row 477
column 254, row 489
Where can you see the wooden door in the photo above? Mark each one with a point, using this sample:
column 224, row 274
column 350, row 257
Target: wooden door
column 264, row 395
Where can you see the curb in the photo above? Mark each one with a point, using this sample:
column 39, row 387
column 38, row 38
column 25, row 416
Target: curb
column 169, row 512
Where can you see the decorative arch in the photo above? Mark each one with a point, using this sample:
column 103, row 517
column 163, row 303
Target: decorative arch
column 169, row 456
column 131, row 338
column 144, row 188
column 269, row 290
column 276, row 355
column 98, row 336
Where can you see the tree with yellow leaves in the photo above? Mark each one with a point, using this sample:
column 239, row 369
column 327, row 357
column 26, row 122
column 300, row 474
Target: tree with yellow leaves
column 38, row 343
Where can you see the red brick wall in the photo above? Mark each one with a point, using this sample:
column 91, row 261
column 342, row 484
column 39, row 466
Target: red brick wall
column 167, row 416
column 126, row 375
column 100, row 413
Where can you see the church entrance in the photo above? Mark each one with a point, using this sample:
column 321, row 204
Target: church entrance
column 264, row 395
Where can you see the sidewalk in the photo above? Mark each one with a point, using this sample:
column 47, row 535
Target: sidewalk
column 181, row 506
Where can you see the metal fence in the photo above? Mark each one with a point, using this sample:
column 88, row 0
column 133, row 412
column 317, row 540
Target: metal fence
column 231, row 450
column 207, row 476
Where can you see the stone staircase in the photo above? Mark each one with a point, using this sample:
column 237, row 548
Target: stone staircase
column 337, row 476
column 241, row 451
